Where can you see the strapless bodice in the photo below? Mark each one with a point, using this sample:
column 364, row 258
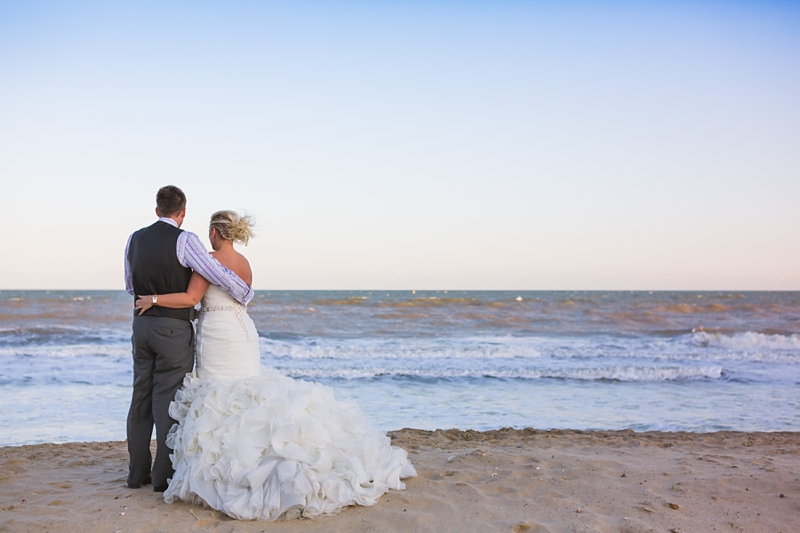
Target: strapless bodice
column 215, row 296
column 227, row 340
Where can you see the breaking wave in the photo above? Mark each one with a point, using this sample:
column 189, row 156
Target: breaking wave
column 748, row 340
column 68, row 351
column 628, row 374
column 408, row 349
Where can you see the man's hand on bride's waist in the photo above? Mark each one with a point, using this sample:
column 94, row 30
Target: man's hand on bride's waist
column 143, row 303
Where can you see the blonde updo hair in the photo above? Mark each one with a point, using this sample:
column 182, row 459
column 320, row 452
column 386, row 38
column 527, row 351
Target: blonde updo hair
column 233, row 227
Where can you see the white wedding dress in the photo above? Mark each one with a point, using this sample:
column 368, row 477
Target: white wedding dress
column 255, row 444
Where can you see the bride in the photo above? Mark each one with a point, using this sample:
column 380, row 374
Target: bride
column 251, row 442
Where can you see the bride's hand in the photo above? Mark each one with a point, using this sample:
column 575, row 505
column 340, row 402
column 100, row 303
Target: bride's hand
column 143, row 303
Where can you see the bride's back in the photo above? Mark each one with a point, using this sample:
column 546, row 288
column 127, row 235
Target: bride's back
column 216, row 297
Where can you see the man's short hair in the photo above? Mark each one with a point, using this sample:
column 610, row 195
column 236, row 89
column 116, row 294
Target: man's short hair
column 170, row 201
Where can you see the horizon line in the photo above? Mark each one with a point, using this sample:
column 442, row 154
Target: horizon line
column 448, row 290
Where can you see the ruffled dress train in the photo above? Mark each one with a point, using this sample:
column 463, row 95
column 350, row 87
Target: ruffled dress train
column 255, row 444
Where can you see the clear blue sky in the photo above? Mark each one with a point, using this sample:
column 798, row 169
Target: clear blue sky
column 410, row 145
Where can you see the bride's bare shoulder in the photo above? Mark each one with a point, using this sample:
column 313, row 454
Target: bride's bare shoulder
column 240, row 265
column 243, row 269
column 235, row 261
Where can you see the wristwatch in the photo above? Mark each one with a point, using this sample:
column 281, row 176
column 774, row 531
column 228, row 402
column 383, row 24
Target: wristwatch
column 155, row 299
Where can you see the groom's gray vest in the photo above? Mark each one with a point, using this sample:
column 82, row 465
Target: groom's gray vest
column 155, row 268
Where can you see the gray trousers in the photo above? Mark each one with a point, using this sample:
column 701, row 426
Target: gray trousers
column 163, row 353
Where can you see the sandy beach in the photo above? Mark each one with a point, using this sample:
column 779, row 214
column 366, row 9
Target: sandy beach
column 504, row 480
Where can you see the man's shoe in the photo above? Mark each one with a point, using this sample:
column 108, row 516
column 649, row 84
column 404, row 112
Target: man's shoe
column 160, row 489
column 139, row 485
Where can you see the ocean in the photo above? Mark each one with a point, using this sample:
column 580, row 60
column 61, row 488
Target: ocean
column 668, row 361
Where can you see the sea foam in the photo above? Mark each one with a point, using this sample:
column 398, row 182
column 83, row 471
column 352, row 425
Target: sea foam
column 749, row 340
column 620, row 373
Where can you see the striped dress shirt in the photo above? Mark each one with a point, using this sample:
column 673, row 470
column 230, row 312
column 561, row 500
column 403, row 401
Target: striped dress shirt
column 192, row 254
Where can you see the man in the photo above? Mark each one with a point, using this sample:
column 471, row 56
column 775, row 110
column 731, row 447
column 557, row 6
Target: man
column 159, row 259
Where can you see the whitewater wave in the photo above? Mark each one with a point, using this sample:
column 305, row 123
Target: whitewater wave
column 749, row 340
column 628, row 374
column 716, row 348
column 751, row 347
column 59, row 329
column 67, row 351
column 405, row 350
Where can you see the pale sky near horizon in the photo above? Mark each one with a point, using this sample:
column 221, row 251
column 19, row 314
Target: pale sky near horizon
column 409, row 145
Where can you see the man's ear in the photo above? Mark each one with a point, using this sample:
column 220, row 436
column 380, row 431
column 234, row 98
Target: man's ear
column 157, row 213
column 183, row 213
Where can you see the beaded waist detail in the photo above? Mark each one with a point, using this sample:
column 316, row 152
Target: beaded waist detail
column 218, row 308
column 237, row 308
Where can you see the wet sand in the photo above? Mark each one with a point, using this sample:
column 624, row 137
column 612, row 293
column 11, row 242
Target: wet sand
column 504, row 480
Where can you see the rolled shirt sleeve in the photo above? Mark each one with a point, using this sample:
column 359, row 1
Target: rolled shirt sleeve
column 192, row 254
column 128, row 276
